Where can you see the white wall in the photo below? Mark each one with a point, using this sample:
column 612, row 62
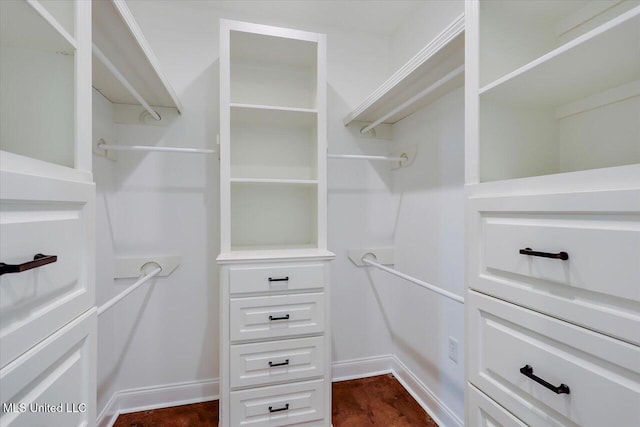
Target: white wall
column 429, row 236
column 421, row 26
column 429, row 242
column 167, row 332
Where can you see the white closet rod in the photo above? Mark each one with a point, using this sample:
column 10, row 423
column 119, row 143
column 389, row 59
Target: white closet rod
column 451, row 75
column 113, row 301
column 118, row 75
column 426, row 285
column 365, row 157
column 151, row 148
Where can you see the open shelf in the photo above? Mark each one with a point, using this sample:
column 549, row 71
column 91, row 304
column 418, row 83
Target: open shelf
column 275, row 181
column 117, row 35
column 439, row 58
column 23, row 26
column 282, row 115
column 273, row 70
column 573, row 108
column 515, row 33
column 37, row 84
column 273, row 144
column 570, row 72
column 273, row 215
column 273, row 253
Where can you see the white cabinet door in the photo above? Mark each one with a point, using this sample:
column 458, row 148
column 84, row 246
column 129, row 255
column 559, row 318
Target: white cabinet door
column 50, row 217
column 53, row 384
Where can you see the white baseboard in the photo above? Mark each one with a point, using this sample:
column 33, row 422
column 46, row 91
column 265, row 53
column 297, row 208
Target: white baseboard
column 441, row 414
column 361, row 368
column 143, row 399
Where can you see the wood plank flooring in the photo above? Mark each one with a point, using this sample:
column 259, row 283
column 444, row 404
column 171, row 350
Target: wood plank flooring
column 374, row 401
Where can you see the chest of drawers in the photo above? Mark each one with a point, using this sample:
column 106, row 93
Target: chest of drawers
column 275, row 344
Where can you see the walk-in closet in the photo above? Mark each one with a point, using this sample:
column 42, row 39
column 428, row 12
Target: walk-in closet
column 341, row 213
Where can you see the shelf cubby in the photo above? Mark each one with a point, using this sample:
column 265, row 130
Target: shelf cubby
column 37, row 83
column 273, row 70
column 272, row 143
column 573, row 108
column 267, row 215
column 516, row 33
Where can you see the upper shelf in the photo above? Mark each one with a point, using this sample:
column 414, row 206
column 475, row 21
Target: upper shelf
column 605, row 57
column 118, row 36
column 429, row 67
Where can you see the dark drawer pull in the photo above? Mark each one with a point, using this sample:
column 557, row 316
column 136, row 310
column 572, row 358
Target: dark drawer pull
column 271, row 364
column 527, row 371
column 560, row 255
column 284, row 408
column 38, row 261
column 285, row 317
column 279, row 279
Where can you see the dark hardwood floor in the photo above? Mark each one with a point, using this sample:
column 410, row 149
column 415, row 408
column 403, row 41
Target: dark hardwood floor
column 374, row 401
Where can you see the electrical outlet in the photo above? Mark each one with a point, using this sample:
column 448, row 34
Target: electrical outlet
column 453, row 349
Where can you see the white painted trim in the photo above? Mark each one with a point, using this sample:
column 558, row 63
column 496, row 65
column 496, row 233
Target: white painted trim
column 164, row 396
column 361, row 368
column 146, row 398
column 426, row 398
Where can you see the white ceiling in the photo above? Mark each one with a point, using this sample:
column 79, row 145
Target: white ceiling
column 372, row 16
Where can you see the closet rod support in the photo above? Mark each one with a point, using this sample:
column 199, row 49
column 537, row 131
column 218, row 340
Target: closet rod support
column 367, row 259
column 450, row 76
column 118, row 75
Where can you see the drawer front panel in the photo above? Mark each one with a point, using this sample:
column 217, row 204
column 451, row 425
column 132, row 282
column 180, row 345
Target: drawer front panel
column 596, row 287
column 37, row 302
column 58, row 373
column 484, row 412
column 276, row 361
column 604, row 254
column 599, row 371
column 276, row 316
column 283, row 405
column 279, row 277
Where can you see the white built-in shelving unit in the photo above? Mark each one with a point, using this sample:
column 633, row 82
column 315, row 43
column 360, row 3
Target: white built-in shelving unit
column 558, row 86
column 273, row 143
column 552, row 146
column 435, row 70
column 48, row 330
column 275, row 348
column 42, row 65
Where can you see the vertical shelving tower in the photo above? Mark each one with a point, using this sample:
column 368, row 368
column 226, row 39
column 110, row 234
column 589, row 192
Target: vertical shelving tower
column 275, row 346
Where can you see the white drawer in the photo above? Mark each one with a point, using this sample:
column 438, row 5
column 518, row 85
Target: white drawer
column 282, row 405
column 596, row 287
column 276, row 361
column 50, row 217
column 276, row 316
column 56, row 375
column 602, row 373
column 484, row 412
column 278, row 277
